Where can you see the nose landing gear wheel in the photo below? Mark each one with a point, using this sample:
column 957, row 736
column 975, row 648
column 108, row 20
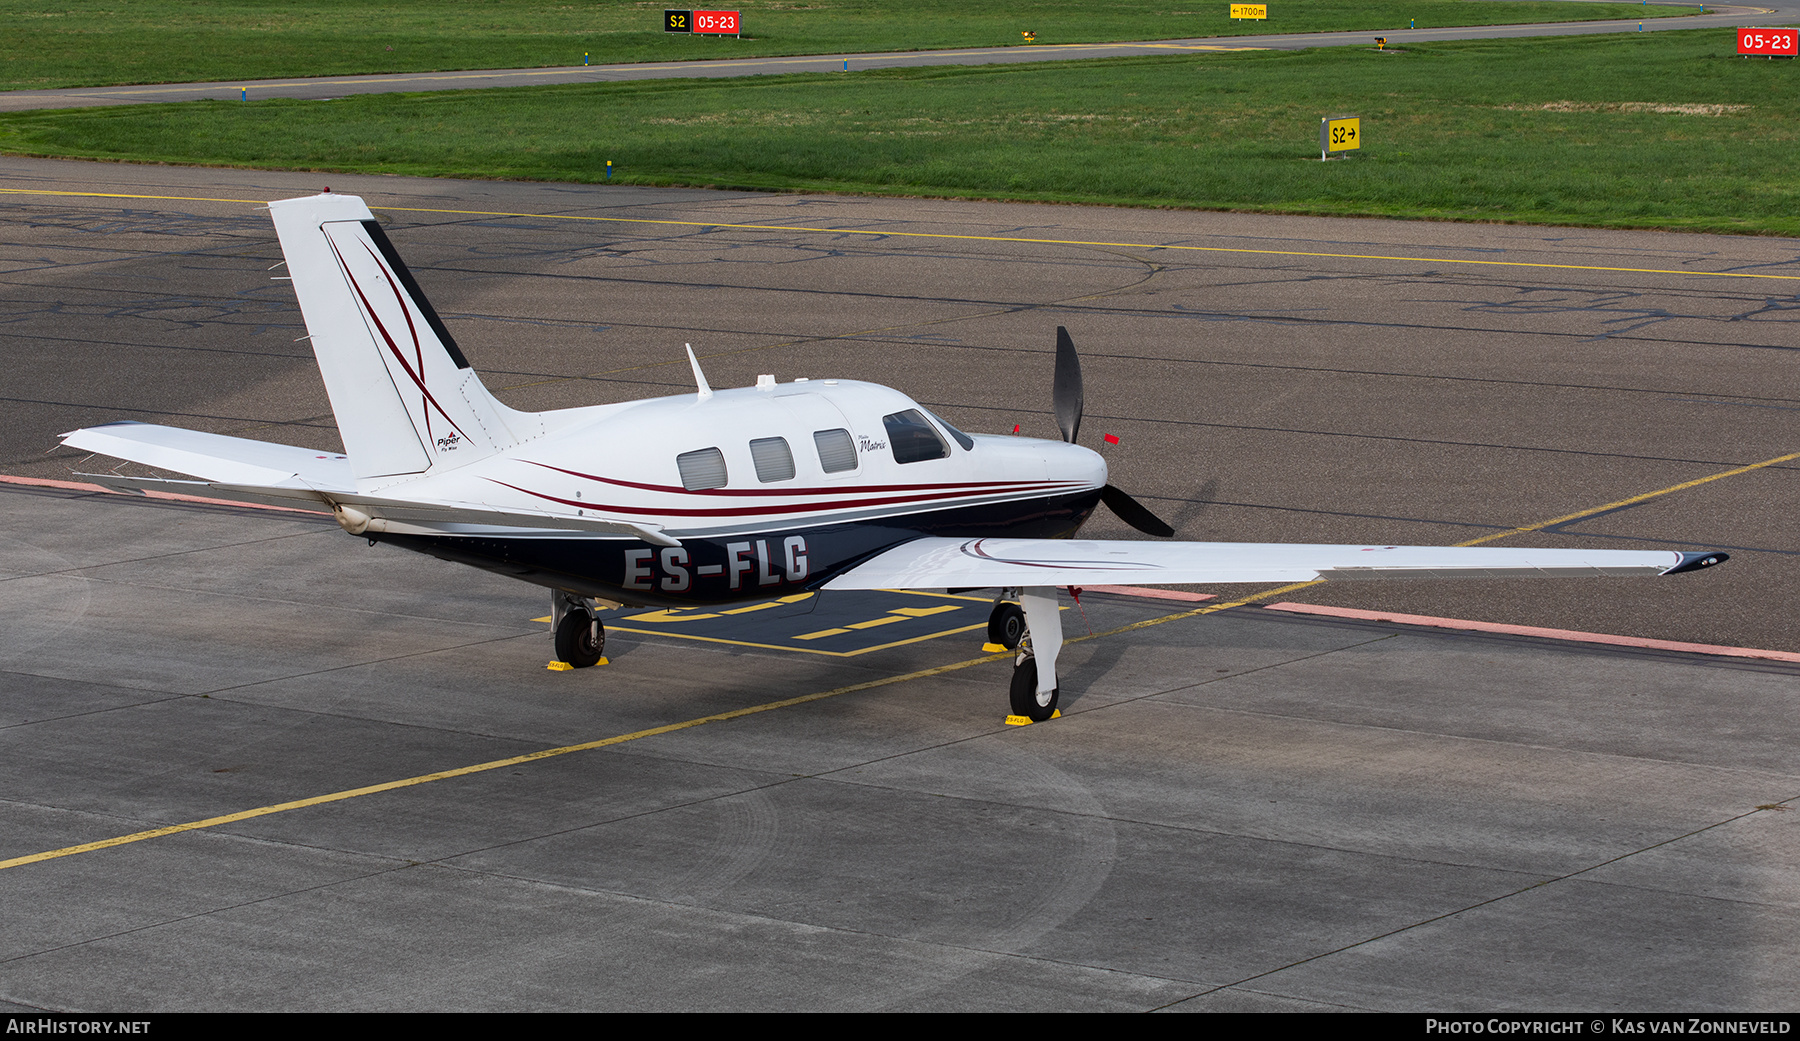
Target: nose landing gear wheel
column 1025, row 700
column 1006, row 625
column 580, row 639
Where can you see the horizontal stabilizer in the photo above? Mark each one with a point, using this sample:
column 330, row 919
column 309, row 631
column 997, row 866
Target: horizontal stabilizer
column 287, row 498
column 234, row 469
column 933, row 563
column 365, row 514
column 215, row 457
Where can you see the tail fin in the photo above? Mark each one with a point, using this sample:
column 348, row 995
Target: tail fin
column 405, row 398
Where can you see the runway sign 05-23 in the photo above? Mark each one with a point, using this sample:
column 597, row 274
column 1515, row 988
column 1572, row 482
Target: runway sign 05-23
column 1775, row 43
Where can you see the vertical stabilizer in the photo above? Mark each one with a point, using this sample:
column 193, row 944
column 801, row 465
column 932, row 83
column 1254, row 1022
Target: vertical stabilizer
column 405, row 398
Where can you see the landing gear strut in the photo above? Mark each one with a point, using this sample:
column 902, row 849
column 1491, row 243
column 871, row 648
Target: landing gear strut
column 1034, row 691
column 580, row 636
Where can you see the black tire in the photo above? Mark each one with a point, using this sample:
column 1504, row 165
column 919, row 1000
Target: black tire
column 1006, row 625
column 1024, row 693
column 580, row 639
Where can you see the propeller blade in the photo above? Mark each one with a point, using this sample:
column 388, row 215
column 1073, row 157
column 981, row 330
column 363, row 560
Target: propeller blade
column 1067, row 399
column 1133, row 512
column 1066, row 390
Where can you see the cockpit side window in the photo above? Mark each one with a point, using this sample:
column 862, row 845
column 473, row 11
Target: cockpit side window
column 774, row 461
column 702, row 469
column 837, row 452
column 912, row 438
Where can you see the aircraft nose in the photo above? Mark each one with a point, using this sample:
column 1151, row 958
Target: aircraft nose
column 1068, row 462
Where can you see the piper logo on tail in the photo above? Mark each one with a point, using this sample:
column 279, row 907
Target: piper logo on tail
column 449, row 442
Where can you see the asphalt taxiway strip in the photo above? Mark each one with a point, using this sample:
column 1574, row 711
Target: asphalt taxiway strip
column 888, row 233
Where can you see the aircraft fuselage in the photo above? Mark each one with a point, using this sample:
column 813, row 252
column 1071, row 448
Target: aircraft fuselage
column 770, row 491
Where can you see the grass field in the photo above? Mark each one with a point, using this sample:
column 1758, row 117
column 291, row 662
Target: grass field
column 89, row 42
column 1664, row 131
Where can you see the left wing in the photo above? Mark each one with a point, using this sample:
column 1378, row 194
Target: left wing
column 931, row 563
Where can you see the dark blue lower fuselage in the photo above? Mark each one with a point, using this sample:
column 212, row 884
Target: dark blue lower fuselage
column 751, row 566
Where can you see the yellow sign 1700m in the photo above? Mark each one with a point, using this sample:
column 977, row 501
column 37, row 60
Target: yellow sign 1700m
column 1250, row 11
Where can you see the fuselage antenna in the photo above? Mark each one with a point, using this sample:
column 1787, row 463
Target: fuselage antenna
column 699, row 377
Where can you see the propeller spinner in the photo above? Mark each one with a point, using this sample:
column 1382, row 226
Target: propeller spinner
column 1067, row 402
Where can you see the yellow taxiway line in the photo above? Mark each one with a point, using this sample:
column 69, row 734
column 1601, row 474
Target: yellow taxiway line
column 1634, row 500
column 721, row 717
column 725, row 226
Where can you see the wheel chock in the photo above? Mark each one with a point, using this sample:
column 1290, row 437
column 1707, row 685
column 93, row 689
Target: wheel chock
column 1025, row 721
column 563, row 666
column 995, row 648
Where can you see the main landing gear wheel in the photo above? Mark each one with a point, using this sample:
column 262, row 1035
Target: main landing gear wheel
column 1025, row 696
column 1006, row 625
column 580, row 639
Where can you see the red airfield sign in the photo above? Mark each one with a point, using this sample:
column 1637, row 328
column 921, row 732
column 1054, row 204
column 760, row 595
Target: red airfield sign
column 1772, row 42
column 716, row 22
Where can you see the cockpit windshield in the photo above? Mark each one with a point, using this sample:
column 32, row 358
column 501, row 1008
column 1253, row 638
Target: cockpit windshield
column 912, row 438
column 967, row 442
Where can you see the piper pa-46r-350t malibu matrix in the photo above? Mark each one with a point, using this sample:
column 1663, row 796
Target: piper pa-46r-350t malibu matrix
column 717, row 496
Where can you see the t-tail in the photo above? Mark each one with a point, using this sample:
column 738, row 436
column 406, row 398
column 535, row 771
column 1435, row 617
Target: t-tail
column 406, row 400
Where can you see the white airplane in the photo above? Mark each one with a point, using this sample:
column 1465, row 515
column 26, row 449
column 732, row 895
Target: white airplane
column 713, row 497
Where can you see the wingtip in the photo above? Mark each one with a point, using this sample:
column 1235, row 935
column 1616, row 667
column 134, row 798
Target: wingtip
column 1697, row 562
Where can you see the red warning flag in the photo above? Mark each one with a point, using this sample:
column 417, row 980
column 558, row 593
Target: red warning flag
column 1112, row 439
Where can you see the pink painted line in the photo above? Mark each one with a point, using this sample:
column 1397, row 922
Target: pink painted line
column 1151, row 594
column 40, row 482
column 81, row 486
column 1532, row 630
column 180, row 497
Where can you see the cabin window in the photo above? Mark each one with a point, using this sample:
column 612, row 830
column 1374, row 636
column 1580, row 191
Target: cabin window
column 912, row 438
column 837, row 452
column 702, row 469
column 967, row 442
column 774, row 462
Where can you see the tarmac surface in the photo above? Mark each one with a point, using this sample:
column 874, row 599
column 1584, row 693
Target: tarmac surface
column 380, row 799
column 315, row 88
